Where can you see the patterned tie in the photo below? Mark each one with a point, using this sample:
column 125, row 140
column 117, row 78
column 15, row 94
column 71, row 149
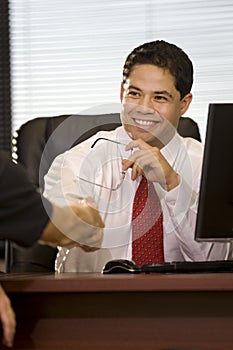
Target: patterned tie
column 147, row 226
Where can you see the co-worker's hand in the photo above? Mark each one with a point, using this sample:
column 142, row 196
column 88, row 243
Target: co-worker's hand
column 92, row 225
column 8, row 320
column 149, row 161
column 78, row 225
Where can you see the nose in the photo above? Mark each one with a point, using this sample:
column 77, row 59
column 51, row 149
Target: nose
column 146, row 103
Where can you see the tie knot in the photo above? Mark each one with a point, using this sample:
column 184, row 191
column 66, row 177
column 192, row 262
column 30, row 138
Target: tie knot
column 144, row 179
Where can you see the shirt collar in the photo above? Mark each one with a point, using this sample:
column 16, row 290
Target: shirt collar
column 122, row 135
column 171, row 150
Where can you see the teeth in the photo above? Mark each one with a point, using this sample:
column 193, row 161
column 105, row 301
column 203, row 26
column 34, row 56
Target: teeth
column 144, row 122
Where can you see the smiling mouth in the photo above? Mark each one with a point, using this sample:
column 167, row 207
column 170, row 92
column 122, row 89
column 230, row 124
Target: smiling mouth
column 145, row 123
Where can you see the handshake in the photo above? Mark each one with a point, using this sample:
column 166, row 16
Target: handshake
column 77, row 225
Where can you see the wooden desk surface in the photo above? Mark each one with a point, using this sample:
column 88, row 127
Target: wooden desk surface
column 94, row 311
column 93, row 282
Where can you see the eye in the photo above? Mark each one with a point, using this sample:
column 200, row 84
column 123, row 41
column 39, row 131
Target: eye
column 133, row 93
column 161, row 98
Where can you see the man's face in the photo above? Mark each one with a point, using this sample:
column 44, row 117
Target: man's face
column 151, row 105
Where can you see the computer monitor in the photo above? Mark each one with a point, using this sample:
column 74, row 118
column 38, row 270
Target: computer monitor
column 215, row 210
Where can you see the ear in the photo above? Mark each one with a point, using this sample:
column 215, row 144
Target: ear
column 122, row 91
column 185, row 102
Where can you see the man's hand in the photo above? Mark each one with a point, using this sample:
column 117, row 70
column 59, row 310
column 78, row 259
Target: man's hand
column 92, row 225
column 8, row 320
column 149, row 161
column 78, row 225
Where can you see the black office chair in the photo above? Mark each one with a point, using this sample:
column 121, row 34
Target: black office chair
column 36, row 145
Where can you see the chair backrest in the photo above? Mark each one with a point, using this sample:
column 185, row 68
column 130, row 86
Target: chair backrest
column 50, row 136
column 37, row 143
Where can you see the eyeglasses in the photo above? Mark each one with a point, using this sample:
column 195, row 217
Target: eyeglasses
column 122, row 173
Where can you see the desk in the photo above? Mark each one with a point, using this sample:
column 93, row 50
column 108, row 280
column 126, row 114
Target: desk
column 94, row 311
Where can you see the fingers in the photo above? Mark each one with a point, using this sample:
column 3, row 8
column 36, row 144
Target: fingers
column 88, row 213
column 77, row 223
column 87, row 249
column 8, row 319
column 93, row 218
column 139, row 143
column 136, row 171
column 126, row 164
column 131, row 163
column 146, row 160
column 93, row 242
column 94, row 238
column 90, row 201
column 137, row 160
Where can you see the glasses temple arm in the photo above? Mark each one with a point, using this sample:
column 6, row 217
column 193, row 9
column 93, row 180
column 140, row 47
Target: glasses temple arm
column 103, row 138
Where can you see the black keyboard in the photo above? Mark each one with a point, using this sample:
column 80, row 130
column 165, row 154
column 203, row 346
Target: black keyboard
column 128, row 266
column 190, row 267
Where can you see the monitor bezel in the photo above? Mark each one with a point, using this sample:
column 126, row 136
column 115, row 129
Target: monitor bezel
column 215, row 204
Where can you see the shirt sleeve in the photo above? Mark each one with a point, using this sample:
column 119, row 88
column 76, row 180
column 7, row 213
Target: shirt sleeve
column 180, row 207
column 23, row 212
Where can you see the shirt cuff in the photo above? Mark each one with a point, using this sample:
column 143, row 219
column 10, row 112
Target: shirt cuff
column 179, row 200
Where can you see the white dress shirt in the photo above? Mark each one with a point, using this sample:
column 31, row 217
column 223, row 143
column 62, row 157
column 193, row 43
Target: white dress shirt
column 65, row 183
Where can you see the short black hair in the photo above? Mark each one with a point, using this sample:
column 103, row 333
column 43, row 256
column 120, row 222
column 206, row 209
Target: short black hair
column 164, row 55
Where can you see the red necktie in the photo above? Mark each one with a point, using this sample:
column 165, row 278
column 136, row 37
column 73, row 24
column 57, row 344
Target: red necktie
column 147, row 226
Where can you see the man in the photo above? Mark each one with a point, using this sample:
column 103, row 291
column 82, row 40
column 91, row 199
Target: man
column 155, row 92
column 24, row 220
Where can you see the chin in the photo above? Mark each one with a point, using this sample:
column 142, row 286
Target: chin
column 139, row 133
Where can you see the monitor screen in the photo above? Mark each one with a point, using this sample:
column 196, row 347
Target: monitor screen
column 215, row 210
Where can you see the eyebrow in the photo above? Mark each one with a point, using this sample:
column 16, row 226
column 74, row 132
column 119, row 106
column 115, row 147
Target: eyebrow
column 162, row 92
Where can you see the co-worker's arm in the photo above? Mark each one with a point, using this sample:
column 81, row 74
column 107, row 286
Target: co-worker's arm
column 7, row 319
column 25, row 219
